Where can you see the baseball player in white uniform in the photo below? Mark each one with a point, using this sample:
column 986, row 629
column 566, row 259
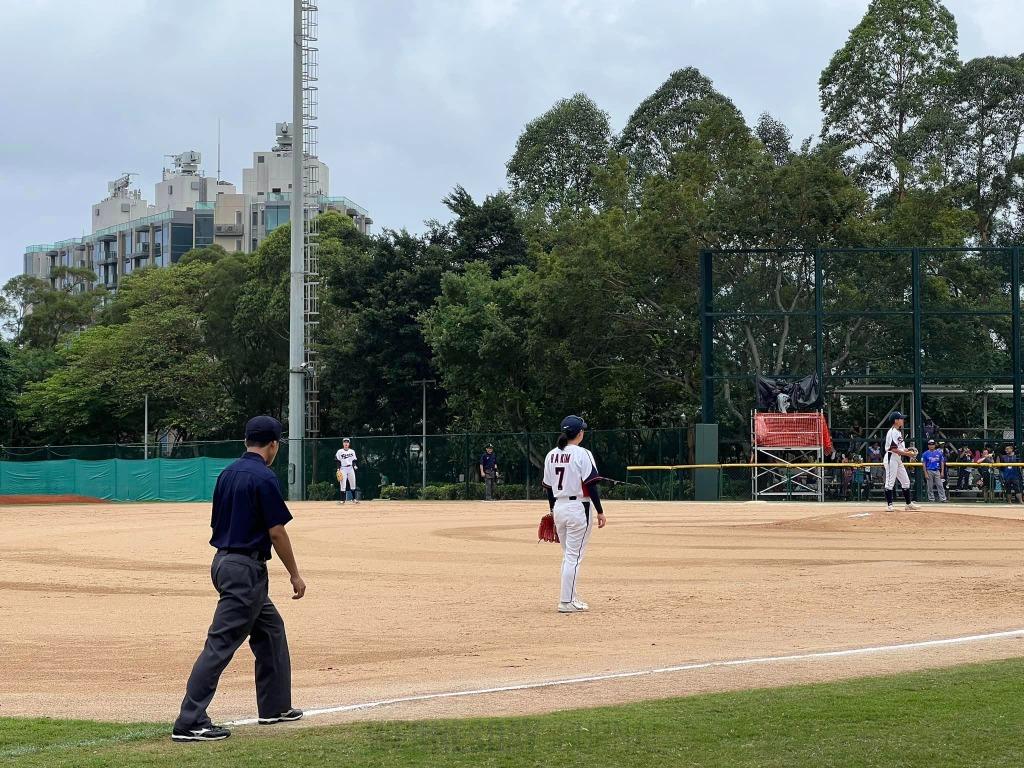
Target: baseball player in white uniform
column 346, row 459
column 894, row 450
column 571, row 480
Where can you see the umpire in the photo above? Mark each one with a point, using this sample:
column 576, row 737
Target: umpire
column 249, row 515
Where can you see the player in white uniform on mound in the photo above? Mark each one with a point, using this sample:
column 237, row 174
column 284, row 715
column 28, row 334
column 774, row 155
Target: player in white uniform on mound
column 894, row 451
column 571, row 480
column 346, row 459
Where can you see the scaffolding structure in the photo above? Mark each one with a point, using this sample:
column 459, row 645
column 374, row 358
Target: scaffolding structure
column 780, row 443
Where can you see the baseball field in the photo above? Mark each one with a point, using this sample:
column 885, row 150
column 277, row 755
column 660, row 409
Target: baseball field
column 443, row 614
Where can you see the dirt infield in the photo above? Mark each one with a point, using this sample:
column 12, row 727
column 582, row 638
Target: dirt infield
column 106, row 606
column 46, row 498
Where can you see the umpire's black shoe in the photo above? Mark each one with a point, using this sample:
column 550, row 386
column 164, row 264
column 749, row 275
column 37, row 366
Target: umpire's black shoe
column 285, row 717
column 209, row 733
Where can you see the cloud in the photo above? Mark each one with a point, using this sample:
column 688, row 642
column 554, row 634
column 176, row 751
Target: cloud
column 416, row 95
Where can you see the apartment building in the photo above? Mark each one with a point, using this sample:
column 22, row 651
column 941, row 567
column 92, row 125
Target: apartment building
column 191, row 211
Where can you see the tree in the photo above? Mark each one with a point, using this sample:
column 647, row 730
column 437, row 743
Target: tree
column 16, row 301
column 895, row 68
column 55, row 313
column 557, row 155
column 479, row 334
column 668, row 121
column 8, row 392
column 97, row 395
column 490, row 231
column 775, row 137
column 987, row 141
column 370, row 344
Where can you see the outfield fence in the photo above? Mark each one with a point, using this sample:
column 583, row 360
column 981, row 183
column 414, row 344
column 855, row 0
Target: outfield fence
column 390, row 466
column 656, row 463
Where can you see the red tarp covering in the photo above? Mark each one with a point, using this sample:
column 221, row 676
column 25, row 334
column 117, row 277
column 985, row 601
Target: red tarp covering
column 792, row 430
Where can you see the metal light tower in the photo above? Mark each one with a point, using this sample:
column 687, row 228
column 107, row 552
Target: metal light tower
column 304, row 308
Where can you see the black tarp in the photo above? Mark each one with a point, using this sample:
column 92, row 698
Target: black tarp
column 804, row 395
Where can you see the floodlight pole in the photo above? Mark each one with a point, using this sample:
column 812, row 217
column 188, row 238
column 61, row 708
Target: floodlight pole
column 423, row 444
column 296, row 330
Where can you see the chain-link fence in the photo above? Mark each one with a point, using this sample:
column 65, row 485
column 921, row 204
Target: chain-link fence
column 392, row 466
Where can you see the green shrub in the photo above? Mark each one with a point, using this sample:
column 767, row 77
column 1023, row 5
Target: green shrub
column 515, row 491
column 443, row 492
column 321, row 491
column 395, row 492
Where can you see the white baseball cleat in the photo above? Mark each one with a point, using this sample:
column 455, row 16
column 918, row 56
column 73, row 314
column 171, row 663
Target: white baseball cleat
column 890, row 508
column 567, row 608
column 580, row 605
column 912, row 507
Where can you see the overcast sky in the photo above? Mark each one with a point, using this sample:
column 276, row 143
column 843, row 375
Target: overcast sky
column 416, row 96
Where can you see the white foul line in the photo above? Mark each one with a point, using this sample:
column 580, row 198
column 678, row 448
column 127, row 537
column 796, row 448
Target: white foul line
column 657, row 671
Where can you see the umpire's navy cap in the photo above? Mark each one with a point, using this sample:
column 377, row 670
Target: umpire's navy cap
column 263, row 429
column 896, row 415
column 572, row 425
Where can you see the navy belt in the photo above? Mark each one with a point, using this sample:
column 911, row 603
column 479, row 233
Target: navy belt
column 255, row 554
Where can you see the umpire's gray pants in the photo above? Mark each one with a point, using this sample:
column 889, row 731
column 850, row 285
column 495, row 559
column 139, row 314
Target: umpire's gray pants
column 244, row 610
column 490, row 477
column 933, row 477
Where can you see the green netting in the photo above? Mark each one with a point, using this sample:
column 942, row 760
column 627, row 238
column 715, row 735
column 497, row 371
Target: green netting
column 119, row 472
column 115, row 479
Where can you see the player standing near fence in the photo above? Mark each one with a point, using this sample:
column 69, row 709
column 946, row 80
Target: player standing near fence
column 571, row 481
column 895, row 451
column 346, row 459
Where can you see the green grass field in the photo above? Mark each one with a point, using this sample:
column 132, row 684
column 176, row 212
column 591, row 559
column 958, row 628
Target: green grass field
column 966, row 716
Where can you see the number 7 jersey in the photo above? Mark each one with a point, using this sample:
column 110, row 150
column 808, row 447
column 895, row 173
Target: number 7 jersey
column 568, row 471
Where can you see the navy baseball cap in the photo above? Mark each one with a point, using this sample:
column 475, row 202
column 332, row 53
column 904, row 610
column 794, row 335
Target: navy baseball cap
column 572, row 425
column 896, row 415
column 263, row 429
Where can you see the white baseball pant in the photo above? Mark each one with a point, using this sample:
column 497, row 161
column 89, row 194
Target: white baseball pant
column 894, row 470
column 573, row 524
column 348, row 481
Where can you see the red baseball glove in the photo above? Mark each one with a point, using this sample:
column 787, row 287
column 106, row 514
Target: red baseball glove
column 546, row 529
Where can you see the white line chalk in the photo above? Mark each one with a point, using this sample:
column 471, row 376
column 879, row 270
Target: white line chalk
column 813, row 656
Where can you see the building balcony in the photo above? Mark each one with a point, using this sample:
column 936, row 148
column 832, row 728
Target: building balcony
column 229, row 230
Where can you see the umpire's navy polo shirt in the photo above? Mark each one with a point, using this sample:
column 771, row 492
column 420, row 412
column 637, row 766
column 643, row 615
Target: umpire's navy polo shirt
column 247, row 503
column 488, row 461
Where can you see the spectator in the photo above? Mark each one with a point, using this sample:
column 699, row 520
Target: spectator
column 846, row 481
column 949, row 453
column 875, row 471
column 934, row 468
column 489, row 471
column 963, row 475
column 984, row 474
column 931, row 431
column 1010, row 475
column 856, row 438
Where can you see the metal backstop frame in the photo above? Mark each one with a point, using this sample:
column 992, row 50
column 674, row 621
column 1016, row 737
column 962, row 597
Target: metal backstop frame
column 916, row 380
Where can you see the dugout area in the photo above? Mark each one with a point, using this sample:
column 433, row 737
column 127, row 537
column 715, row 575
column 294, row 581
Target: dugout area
column 935, row 332
column 107, row 605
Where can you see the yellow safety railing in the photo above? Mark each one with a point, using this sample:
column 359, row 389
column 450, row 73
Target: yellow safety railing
column 834, row 465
